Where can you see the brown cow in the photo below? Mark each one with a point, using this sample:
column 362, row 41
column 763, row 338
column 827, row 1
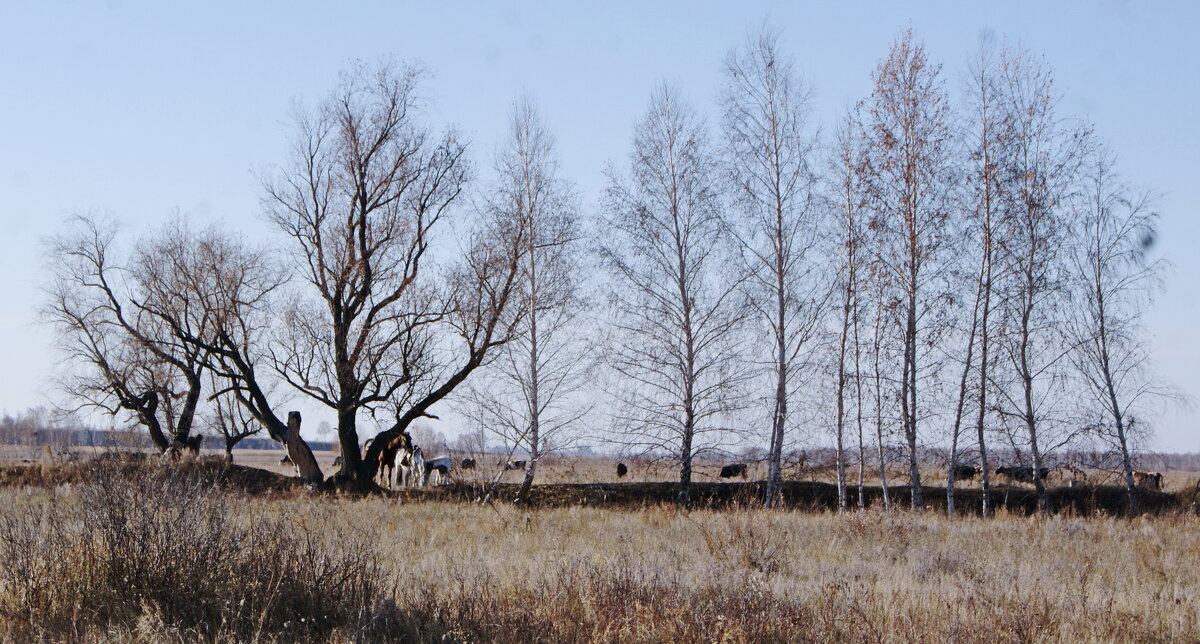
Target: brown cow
column 1148, row 480
column 735, row 469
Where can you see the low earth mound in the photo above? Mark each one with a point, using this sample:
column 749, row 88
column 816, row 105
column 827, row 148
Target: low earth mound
column 806, row 495
column 798, row 495
column 213, row 471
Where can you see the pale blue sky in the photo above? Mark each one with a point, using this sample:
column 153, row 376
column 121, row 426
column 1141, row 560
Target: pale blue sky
column 141, row 108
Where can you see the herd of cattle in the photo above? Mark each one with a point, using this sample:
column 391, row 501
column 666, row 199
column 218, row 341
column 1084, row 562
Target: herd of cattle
column 406, row 466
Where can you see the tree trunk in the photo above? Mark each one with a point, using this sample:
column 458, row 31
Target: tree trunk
column 300, row 453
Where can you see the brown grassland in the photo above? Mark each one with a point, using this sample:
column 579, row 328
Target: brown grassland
column 120, row 551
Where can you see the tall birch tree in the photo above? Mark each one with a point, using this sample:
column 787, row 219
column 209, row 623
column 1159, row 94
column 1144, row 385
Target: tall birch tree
column 769, row 149
column 676, row 310
column 908, row 175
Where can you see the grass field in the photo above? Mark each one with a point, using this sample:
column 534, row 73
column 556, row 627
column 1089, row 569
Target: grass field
column 156, row 553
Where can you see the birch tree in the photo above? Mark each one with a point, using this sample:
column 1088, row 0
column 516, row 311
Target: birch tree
column 1116, row 280
column 1046, row 154
column 989, row 133
column 769, row 146
column 847, row 170
column 675, row 307
column 908, row 175
column 530, row 398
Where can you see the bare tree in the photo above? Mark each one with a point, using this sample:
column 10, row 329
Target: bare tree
column 1116, row 227
column 989, row 149
column 365, row 188
column 675, row 313
column 123, row 327
column 847, row 171
column 908, row 165
column 769, row 148
column 530, row 399
column 1046, row 153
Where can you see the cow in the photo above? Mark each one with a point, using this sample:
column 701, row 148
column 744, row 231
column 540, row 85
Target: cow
column 1022, row 473
column 965, row 472
column 467, row 464
column 1148, row 480
column 735, row 469
column 622, row 470
column 286, row 460
column 337, row 462
column 1071, row 476
column 441, row 465
column 515, row 465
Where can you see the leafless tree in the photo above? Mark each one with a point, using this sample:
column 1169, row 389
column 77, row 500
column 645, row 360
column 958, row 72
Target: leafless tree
column 366, row 185
column 123, row 326
column 908, row 177
column 530, row 400
column 676, row 310
column 989, row 134
column 847, row 174
column 769, row 145
column 1116, row 280
column 231, row 421
column 1046, row 154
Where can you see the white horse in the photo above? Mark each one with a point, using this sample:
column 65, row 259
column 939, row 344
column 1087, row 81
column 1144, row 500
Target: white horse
column 412, row 466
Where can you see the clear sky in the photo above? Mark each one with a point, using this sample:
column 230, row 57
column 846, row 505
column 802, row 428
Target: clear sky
column 144, row 108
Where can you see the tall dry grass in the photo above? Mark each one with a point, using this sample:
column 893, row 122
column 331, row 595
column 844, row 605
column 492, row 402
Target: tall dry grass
column 155, row 558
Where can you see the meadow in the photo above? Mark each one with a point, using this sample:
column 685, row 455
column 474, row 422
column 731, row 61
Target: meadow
column 153, row 553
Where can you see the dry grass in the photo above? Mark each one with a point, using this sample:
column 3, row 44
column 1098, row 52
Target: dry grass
column 149, row 555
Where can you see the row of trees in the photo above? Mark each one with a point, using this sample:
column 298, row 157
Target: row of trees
column 959, row 272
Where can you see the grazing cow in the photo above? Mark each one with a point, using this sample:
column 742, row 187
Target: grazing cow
column 1071, row 476
column 622, row 470
column 467, row 464
column 286, row 460
column 514, row 465
column 337, row 462
column 965, row 472
column 735, row 469
column 1021, row 473
column 1148, row 480
column 441, row 465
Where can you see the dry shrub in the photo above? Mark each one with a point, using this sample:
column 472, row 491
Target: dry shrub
column 153, row 550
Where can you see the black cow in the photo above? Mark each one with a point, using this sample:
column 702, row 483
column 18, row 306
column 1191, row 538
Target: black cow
column 622, row 470
column 468, row 463
column 736, row 469
column 286, row 460
column 1023, row 474
column 965, row 472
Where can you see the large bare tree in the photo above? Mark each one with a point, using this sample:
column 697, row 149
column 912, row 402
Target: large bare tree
column 908, row 164
column 675, row 306
column 366, row 185
column 769, row 145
